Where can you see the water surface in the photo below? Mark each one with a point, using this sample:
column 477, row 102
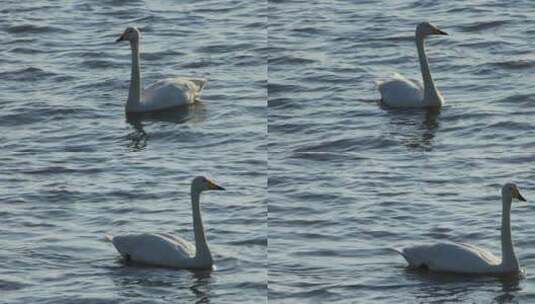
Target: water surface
column 348, row 180
column 75, row 168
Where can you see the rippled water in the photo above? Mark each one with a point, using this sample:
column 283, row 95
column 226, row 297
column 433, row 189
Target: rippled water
column 348, row 180
column 74, row 168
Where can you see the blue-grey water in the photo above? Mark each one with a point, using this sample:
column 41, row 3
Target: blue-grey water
column 73, row 168
column 348, row 180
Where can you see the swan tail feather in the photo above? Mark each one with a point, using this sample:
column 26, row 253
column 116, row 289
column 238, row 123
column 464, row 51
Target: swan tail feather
column 378, row 83
column 398, row 250
column 199, row 82
column 402, row 252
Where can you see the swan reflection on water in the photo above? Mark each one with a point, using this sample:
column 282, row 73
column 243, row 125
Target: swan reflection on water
column 138, row 138
column 139, row 281
column 434, row 287
column 200, row 285
column 415, row 129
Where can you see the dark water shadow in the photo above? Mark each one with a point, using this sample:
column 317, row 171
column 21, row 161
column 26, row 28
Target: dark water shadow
column 134, row 280
column 458, row 288
column 138, row 138
column 201, row 285
column 414, row 128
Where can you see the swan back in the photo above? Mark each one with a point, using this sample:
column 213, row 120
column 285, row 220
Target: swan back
column 171, row 92
column 401, row 92
column 154, row 249
column 451, row 257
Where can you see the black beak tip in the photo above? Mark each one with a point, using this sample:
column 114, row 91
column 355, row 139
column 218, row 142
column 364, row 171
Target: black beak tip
column 220, row 188
column 119, row 39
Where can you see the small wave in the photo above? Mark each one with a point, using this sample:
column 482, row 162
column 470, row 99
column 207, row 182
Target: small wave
column 121, row 3
column 255, row 24
column 406, row 38
column 325, row 156
column 225, row 48
column 468, row 9
column 310, row 31
column 214, row 10
column 27, row 74
column 23, row 50
column 252, row 285
column 509, row 125
column 274, row 88
column 338, row 145
column 478, row 44
column 56, row 170
column 481, row 26
column 515, row 64
column 10, row 285
column 290, row 60
column 99, row 64
column 159, row 55
column 22, row 9
column 34, row 29
column 262, row 241
column 518, row 99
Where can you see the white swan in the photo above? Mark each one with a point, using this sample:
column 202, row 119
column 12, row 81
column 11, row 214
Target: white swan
column 162, row 249
column 465, row 258
column 400, row 92
column 163, row 94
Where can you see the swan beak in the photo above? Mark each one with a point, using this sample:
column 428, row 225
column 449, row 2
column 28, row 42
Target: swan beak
column 214, row 186
column 520, row 197
column 120, row 38
column 439, row 32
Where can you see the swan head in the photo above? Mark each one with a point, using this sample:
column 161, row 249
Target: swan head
column 201, row 183
column 425, row 29
column 130, row 34
column 511, row 190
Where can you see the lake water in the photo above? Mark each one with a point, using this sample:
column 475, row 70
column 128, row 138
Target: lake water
column 73, row 168
column 348, row 180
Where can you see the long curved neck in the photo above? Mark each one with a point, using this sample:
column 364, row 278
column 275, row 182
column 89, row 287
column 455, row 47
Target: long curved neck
column 509, row 260
column 430, row 92
column 134, row 94
column 202, row 253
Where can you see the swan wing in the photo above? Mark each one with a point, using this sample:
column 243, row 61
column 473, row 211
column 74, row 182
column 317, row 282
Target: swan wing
column 154, row 249
column 401, row 92
column 451, row 257
column 483, row 253
column 186, row 245
column 172, row 92
column 199, row 82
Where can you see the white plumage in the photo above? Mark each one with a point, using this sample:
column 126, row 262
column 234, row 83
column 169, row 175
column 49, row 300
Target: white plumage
column 466, row 258
column 155, row 249
column 163, row 249
column 400, row 92
column 163, row 94
column 450, row 257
